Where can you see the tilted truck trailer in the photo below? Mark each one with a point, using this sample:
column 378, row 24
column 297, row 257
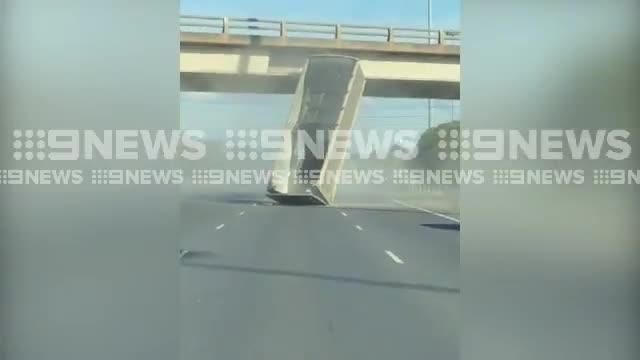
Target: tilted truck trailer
column 326, row 99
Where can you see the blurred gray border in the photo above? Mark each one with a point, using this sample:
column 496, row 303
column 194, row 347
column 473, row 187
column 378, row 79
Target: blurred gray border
column 88, row 272
column 551, row 272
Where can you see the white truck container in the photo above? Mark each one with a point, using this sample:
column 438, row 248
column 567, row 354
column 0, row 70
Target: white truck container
column 327, row 99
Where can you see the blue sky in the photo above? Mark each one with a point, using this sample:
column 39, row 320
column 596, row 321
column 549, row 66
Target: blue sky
column 445, row 13
column 214, row 113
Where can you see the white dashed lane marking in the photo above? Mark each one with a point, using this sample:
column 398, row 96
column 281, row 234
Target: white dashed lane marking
column 219, row 226
column 359, row 227
column 241, row 213
column 343, row 213
column 394, row 257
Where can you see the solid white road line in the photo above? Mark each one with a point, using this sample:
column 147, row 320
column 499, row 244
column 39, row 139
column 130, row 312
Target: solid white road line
column 394, row 257
column 241, row 213
column 427, row 211
column 359, row 227
column 219, row 226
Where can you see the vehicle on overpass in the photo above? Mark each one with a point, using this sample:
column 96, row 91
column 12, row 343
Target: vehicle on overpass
column 327, row 98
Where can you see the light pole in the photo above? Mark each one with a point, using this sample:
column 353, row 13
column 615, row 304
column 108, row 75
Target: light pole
column 429, row 43
column 429, row 17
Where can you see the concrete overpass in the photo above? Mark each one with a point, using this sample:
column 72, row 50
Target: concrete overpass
column 266, row 56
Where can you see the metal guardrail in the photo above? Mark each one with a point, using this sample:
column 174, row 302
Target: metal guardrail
column 317, row 30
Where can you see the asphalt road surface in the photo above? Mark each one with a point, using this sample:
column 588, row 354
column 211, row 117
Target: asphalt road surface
column 260, row 281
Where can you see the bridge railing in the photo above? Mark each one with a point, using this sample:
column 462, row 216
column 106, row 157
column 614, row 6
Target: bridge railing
column 317, row 30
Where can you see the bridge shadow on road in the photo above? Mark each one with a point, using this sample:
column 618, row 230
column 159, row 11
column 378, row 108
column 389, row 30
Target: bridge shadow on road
column 455, row 227
column 309, row 275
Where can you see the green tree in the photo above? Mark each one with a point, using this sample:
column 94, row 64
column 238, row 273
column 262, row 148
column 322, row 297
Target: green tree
column 429, row 148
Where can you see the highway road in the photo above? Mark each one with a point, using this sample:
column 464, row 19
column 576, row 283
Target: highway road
column 262, row 281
